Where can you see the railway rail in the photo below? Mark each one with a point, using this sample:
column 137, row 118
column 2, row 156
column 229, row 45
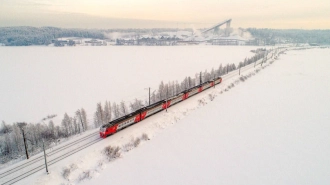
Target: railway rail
column 17, row 169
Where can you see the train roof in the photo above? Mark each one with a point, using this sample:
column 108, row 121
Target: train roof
column 121, row 118
column 152, row 105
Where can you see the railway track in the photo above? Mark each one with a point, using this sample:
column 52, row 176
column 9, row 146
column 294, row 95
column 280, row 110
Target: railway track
column 39, row 159
column 245, row 68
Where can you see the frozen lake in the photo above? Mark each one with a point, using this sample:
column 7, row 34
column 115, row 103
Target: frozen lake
column 39, row 81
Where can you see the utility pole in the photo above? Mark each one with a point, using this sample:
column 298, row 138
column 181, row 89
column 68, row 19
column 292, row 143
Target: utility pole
column 43, row 146
column 149, row 95
column 166, row 97
column 21, row 125
column 26, row 152
column 213, row 80
column 200, row 78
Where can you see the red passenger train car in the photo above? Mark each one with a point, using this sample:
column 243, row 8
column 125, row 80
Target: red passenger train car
column 139, row 115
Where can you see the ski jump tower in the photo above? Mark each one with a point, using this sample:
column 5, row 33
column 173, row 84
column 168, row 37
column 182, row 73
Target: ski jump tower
column 216, row 27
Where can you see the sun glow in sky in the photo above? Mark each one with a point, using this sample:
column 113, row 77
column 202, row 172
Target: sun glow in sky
column 304, row 14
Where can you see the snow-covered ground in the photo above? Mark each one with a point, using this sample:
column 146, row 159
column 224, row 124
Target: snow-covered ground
column 40, row 81
column 268, row 127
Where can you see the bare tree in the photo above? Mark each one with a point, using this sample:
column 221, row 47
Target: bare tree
column 84, row 118
column 123, row 108
column 115, row 110
column 99, row 115
column 137, row 104
column 79, row 120
column 66, row 122
column 107, row 112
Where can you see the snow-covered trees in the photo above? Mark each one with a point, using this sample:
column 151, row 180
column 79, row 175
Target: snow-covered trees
column 137, row 104
column 25, row 36
column 274, row 36
column 84, row 118
column 107, row 112
column 123, row 109
column 115, row 110
column 98, row 115
column 66, row 124
column 11, row 135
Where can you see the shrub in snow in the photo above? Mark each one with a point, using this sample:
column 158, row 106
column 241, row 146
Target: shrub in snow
column 145, row 137
column 201, row 102
column 137, row 142
column 112, row 152
column 211, row 96
column 66, row 173
column 73, row 167
column 132, row 144
column 85, row 175
column 127, row 147
column 101, row 164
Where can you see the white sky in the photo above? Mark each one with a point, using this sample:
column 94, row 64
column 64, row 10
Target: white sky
column 304, row 14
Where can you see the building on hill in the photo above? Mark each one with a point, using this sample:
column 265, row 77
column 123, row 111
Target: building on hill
column 231, row 40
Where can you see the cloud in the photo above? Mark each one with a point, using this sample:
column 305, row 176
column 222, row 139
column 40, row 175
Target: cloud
column 169, row 13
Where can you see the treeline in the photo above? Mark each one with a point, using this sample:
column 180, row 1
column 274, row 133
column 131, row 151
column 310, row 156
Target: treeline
column 278, row 36
column 260, row 54
column 109, row 112
column 11, row 135
column 26, row 36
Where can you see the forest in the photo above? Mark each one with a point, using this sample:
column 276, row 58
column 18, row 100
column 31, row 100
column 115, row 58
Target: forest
column 26, row 36
column 278, row 36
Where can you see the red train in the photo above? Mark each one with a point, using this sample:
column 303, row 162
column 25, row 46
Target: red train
column 134, row 117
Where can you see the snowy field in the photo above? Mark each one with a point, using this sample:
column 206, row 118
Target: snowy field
column 40, row 81
column 269, row 127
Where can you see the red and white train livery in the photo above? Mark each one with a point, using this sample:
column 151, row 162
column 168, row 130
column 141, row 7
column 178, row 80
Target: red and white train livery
column 139, row 115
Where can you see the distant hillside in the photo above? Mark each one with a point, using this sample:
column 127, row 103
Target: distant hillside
column 25, row 36
column 276, row 36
